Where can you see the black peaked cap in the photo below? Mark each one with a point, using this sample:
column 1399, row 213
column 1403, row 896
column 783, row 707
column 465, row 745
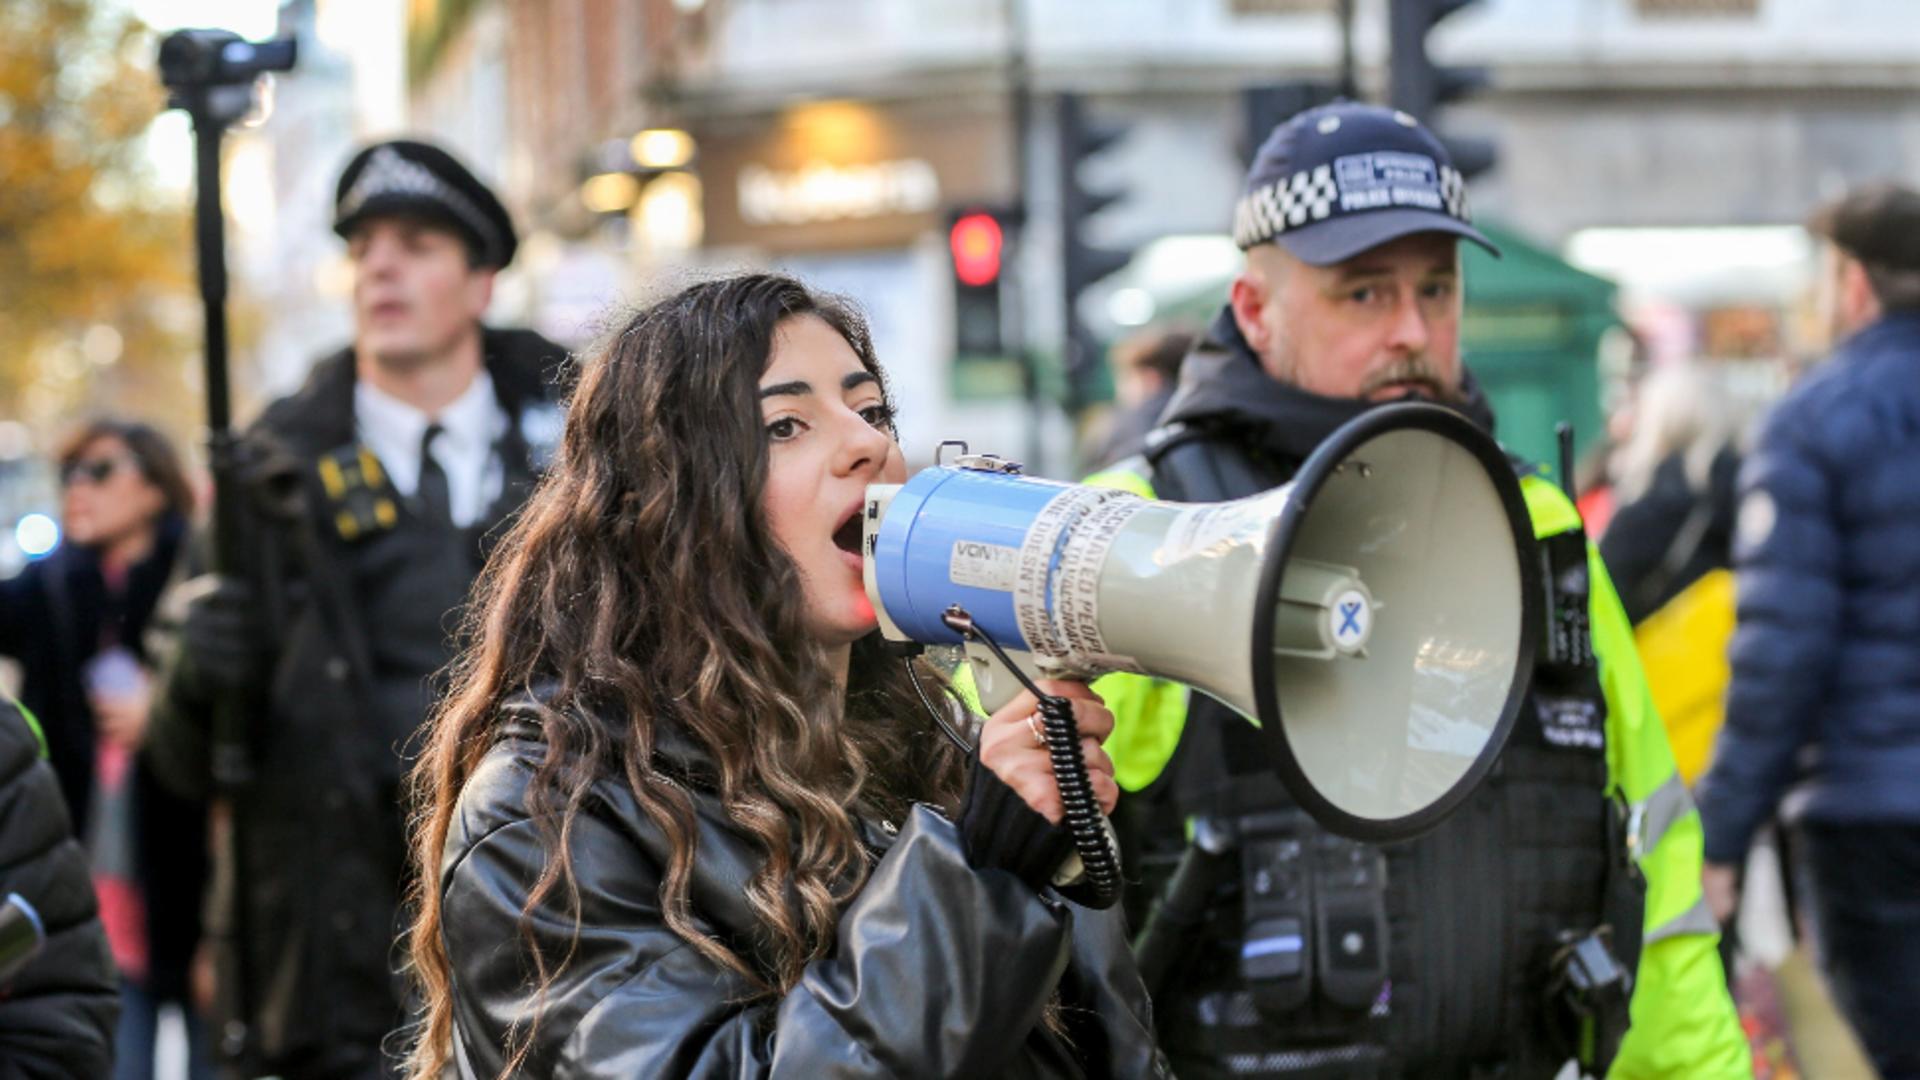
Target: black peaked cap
column 403, row 176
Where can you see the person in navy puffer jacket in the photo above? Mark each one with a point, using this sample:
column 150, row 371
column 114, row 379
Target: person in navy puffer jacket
column 1823, row 712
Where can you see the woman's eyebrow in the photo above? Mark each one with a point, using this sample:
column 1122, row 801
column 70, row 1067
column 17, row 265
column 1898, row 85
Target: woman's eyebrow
column 801, row 388
column 796, row 388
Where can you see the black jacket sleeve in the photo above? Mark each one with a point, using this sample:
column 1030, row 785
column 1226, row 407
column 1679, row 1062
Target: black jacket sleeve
column 938, row 969
column 57, row 1016
column 179, row 731
column 17, row 619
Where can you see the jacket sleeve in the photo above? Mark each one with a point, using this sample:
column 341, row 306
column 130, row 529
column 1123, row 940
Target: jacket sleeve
column 57, row 1016
column 1683, row 1019
column 178, row 746
column 1787, row 565
column 938, row 970
column 16, row 620
column 179, row 729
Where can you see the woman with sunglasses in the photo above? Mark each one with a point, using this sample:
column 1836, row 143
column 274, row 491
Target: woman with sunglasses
column 75, row 621
column 682, row 814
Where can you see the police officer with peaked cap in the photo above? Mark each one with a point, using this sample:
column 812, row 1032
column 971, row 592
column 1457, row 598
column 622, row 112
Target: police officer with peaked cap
column 369, row 496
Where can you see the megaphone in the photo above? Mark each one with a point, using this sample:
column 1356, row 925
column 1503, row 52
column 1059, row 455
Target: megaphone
column 1377, row 617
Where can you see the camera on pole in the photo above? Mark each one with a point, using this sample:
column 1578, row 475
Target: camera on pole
column 1082, row 263
column 1421, row 88
column 211, row 74
column 191, row 59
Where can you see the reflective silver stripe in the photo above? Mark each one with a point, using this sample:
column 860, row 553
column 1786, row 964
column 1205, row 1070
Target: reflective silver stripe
column 1695, row 920
column 1655, row 814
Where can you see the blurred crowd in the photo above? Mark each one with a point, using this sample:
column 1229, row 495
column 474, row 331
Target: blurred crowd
column 1767, row 554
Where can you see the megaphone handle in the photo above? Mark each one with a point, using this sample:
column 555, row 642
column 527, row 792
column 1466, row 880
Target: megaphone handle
column 1088, row 827
column 1091, row 838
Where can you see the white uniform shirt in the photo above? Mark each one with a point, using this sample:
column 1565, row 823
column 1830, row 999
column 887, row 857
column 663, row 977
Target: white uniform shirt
column 470, row 425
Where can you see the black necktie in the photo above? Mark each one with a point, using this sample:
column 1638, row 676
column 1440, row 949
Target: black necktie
column 436, row 503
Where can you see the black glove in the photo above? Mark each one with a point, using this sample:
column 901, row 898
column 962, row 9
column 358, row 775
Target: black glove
column 999, row 830
column 219, row 636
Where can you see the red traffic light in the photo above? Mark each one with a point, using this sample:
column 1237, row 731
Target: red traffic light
column 976, row 240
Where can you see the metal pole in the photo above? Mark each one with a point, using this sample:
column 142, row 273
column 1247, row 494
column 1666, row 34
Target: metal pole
column 231, row 767
column 231, row 764
column 1013, row 300
column 1349, row 77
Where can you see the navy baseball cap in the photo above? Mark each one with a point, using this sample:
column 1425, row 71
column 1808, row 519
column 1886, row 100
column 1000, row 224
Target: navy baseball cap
column 1341, row 179
column 402, row 176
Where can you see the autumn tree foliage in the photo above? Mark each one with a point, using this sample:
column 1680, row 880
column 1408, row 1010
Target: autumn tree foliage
column 96, row 302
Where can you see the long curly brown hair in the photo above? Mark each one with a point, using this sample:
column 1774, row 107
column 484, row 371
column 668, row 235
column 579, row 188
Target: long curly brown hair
column 641, row 587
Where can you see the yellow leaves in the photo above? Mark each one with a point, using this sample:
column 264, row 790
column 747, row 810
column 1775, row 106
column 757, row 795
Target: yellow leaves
column 76, row 91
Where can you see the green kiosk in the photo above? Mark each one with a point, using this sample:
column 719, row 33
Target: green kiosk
column 1532, row 334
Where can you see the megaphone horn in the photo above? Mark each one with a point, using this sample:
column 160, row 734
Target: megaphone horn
column 1376, row 617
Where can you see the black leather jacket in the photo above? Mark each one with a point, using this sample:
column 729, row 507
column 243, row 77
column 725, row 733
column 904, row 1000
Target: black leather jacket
column 939, row 969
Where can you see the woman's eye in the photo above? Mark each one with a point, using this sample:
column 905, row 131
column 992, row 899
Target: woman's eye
column 880, row 416
column 783, row 429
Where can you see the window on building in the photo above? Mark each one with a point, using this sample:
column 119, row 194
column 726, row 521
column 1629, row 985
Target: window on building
column 1657, row 8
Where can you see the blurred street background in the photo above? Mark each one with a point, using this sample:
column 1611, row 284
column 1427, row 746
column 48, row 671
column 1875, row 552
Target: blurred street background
column 1007, row 188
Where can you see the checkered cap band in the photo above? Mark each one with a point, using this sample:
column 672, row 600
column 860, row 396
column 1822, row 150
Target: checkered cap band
column 388, row 174
column 1320, row 193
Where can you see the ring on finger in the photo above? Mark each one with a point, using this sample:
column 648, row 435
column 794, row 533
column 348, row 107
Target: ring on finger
column 1033, row 726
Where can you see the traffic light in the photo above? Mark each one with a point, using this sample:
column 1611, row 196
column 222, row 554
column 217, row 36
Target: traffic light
column 1420, row 87
column 1082, row 263
column 977, row 240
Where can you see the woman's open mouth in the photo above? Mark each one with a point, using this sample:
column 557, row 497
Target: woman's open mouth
column 848, row 536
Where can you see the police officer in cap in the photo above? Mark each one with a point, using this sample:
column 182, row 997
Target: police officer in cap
column 369, row 496
column 1556, row 914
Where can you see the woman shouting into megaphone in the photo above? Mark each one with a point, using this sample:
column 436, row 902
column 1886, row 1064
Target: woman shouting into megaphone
column 681, row 813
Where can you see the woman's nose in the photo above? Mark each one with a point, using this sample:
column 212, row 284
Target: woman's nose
column 864, row 447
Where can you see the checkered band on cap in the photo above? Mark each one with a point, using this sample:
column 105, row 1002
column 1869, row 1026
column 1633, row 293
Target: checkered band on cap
column 388, row 174
column 1453, row 189
column 1313, row 195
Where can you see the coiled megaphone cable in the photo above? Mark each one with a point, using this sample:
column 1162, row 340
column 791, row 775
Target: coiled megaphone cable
column 1091, row 839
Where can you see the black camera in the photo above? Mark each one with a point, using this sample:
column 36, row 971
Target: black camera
column 194, row 59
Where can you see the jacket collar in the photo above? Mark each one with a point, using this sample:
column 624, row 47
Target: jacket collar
column 1901, row 326
column 1223, row 386
column 524, row 366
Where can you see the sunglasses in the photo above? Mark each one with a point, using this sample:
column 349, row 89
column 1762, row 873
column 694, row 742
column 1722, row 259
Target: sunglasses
column 97, row 471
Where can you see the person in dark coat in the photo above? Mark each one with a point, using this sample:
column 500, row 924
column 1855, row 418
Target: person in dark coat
column 1823, row 712
column 683, row 815
column 77, row 622
column 1674, row 490
column 368, row 498
column 1146, row 369
column 57, row 1013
